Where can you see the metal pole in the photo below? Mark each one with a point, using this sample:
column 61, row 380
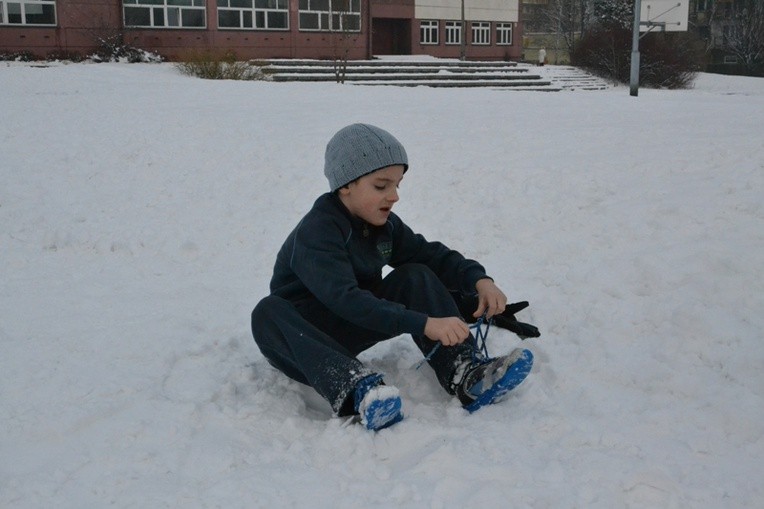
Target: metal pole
column 369, row 32
column 634, row 80
column 463, row 55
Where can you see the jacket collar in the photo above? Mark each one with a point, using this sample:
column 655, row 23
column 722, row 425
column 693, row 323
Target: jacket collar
column 356, row 223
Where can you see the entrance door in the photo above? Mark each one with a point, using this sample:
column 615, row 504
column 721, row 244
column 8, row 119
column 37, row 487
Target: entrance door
column 391, row 36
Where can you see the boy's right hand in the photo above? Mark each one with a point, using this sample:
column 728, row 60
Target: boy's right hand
column 449, row 330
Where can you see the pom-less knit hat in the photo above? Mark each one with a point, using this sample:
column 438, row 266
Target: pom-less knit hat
column 359, row 149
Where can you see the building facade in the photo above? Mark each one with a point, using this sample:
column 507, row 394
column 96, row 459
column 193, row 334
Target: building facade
column 322, row 29
column 733, row 32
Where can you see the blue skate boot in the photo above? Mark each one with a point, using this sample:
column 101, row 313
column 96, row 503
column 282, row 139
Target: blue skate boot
column 378, row 405
column 487, row 381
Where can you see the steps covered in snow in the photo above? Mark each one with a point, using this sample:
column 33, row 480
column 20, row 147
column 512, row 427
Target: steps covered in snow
column 434, row 73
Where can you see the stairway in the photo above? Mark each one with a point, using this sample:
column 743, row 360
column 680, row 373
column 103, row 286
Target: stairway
column 567, row 77
column 435, row 73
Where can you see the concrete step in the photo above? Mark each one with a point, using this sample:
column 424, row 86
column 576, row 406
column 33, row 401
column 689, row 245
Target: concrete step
column 572, row 78
column 438, row 63
column 314, row 69
column 496, row 83
column 416, row 76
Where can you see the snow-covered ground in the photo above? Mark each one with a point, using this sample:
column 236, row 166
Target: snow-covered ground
column 140, row 214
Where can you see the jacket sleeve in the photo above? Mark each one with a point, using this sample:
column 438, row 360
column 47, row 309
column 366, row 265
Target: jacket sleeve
column 458, row 274
column 321, row 261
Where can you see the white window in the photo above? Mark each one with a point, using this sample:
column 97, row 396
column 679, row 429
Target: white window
column 481, row 32
column 504, row 34
column 330, row 15
column 260, row 14
column 165, row 13
column 453, row 32
column 428, row 32
column 28, row 12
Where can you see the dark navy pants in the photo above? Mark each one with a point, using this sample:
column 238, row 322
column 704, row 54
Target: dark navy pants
column 312, row 345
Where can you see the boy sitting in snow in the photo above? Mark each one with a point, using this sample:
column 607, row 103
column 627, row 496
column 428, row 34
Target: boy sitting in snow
column 329, row 302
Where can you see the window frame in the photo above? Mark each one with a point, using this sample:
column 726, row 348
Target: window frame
column 4, row 12
column 480, row 33
column 502, row 29
column 253, row 15
column 453, row 28
column 429, row 32
column 327, row 18
column 168, row 9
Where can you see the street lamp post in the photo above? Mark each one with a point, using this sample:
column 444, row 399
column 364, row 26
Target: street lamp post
column 463, row 34
column 634, row 78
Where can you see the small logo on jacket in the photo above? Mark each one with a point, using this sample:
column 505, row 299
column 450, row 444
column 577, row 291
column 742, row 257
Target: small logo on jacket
column 385, row 249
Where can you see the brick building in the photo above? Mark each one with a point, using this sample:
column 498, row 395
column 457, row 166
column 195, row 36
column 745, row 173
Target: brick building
column 266, row 28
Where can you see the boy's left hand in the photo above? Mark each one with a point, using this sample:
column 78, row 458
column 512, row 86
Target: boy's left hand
column 491, row 300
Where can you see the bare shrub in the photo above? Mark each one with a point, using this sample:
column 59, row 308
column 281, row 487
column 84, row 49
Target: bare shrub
column 667, row 60
column 111, row 48
column 218, row 66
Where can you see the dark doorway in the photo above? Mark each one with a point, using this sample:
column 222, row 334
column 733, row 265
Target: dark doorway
column 391, row 36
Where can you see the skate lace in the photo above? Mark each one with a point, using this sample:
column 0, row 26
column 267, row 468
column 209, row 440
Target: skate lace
column 477, row 341
column 479, row 338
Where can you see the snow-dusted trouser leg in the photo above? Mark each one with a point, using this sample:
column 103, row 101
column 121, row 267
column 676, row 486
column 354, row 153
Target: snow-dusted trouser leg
column 419, row 289
column 296, row 347
column 310, row 344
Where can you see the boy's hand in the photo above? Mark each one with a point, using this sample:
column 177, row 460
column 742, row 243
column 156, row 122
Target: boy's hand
column 450, row 330
column 491, row 300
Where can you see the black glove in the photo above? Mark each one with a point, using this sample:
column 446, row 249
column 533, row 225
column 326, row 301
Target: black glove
column 507, row 320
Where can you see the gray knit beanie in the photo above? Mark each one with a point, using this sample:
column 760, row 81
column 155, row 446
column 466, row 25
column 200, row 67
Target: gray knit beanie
column 359, row 149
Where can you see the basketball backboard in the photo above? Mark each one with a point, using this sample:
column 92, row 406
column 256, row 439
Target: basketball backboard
column 668, row 15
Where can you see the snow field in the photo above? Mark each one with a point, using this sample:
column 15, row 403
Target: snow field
column 140, row 215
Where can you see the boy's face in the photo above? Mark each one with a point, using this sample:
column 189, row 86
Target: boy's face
column 372, row 196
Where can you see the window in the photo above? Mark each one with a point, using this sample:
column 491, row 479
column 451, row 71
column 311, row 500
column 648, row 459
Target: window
column 428, row 32
column 453, row 32
column 165, row 13
column 28, row 12
column 504, row 34
column 481, row 32
column 330, row 15
column 262, row 14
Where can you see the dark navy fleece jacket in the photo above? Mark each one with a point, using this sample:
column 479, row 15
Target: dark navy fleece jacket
column 338, row 258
